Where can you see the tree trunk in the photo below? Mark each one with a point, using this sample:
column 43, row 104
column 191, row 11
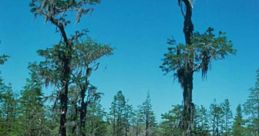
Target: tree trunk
column 84, row 105
column 188, row 106
column 63, row 102
column 74, row 103
column 188, row 25
column 147, row 125
column 64, row 93
column 66, row 76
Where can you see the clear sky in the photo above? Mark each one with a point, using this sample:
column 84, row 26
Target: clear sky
column 138, row 30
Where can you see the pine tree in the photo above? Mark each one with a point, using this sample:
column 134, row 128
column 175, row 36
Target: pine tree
column 238, row 128
column 8, row 107
column 96, row 125
column 120, row 113
column 217, row 119
column 31, row 108
column 251, row 109
column 170, row 122
column 8, row 110
column 201, row 121
column 148, row 116
column 137, row 122
column 227, row 117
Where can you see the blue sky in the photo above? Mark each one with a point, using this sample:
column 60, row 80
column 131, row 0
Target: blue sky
column 138, row 30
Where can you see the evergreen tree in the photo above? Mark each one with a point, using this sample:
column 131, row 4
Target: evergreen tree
column 31, row 109
column 217, row 119
column 148, row 116
column 251, row 109
column 8, row 110
column 227, row 117
column 170, row 122
column 201, row 121
column 137, row 122
column 96, row 125
column 119, row 115
column 238, row 129
column 8, row 107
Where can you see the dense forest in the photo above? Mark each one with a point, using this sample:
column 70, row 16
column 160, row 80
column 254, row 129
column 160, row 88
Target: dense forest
column 74, row 107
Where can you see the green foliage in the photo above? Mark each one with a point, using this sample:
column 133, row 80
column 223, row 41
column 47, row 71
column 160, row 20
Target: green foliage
column 147, row 117
column 217, row 119
column 51, row 68
column 94, row 117
column 227, row 117
column 84, row 54
column 171, row 120
column 120, row 113
column 63, row 66
column 183, row 60
column 251, row 109
column 3, row 59
column 201, row 121
column 204, row 49
column 31, row 109
column 137, row 122
column 88, row 52
column 8, row 110
column 30, row 116
column 238, row 125
column 95, row 125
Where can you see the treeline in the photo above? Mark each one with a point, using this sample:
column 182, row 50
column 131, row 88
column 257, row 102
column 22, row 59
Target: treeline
column 74, row 108
column 31, row 113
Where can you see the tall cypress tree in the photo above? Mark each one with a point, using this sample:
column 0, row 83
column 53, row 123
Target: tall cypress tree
column 195, row 55
column 57, row 69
